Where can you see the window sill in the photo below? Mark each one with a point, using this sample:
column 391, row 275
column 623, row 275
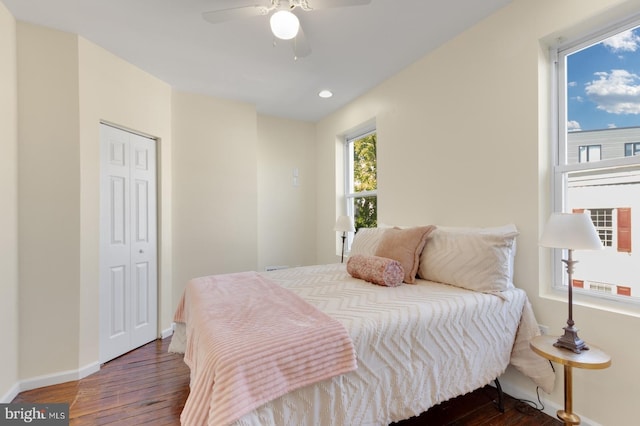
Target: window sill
column 611, row 304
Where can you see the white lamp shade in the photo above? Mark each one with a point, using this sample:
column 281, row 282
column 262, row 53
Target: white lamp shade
column 573, row 231
column 284, row 24
column 344, row 224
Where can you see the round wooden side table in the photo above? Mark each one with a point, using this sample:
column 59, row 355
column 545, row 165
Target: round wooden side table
column 593, row 359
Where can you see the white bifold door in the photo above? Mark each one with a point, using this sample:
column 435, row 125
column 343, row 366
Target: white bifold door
column 128, row 242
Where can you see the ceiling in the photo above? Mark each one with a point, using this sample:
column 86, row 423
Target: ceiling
column 353, row 48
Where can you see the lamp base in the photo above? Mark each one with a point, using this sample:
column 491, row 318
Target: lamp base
column 570, row 340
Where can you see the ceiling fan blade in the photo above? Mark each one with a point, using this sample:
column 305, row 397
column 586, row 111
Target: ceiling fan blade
column 327, row 4
column 301, row 47
column 218, row 16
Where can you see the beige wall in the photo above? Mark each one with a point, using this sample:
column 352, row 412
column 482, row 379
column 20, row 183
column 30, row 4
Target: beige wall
column 215, row 187
column 9, row 353
column 463, row 140
column 49, row 200
column 286, row 213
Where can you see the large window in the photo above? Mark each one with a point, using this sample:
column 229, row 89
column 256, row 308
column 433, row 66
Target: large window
column 596, row 168
column 362, row 179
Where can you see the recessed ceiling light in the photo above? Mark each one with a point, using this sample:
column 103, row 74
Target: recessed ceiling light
column 325, row 94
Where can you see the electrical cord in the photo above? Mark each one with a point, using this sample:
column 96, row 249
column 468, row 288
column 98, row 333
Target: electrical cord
column 528, row 407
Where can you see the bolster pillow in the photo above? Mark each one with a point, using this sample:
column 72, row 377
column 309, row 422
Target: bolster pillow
column 376, row 269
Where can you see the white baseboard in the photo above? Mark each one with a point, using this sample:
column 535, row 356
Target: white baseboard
column 50, row 379
column 167, row 332
column 57, row 378
column 550, row 407
column 9, row 396
column 62, row 377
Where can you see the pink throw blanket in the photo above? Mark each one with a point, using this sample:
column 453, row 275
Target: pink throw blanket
column 250, row 341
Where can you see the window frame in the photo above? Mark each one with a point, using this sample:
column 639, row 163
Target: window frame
column 560, row 169
column 588, row 149
column 603, row 222
column 350, row 195
column 634, row 148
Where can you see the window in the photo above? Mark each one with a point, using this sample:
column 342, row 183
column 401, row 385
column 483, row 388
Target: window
column 602, row 220
column 362, row 179
column 631, row 149
column 596, row 166
column 589, row 153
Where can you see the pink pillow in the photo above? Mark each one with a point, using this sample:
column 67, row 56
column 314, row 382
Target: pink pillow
column 405, row 246
column 377, row 270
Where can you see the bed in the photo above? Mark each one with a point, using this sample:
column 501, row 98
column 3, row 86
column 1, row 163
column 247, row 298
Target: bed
column 454, row 329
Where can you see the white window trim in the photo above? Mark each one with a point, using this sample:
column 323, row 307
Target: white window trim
column 348, row 175
column 560, row 168
column 348, row 195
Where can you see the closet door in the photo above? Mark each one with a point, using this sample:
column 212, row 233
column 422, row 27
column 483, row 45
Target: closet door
column 128, row 242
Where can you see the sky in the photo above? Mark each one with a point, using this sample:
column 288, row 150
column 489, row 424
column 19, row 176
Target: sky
column 603, row 84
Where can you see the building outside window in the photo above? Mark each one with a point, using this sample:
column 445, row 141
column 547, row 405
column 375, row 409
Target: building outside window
column 596, row 166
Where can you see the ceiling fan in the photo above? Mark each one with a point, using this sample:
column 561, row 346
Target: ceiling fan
column 284, row 24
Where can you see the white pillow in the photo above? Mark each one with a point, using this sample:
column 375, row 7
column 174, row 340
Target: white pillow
column 479, row 259
column 366, row 240
column 508, row 231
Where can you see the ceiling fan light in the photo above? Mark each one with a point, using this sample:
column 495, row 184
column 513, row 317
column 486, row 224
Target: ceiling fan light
column 284, row 24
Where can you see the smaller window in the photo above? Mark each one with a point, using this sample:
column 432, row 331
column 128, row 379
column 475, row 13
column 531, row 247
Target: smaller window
column 631, row 149
column 362, row 179
column 603, row 222
column 589, row 153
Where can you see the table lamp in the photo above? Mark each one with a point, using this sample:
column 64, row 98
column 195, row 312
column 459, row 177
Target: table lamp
column 571, row 231
column 344, row 224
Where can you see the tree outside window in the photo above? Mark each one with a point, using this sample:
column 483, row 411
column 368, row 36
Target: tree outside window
column 362, row 180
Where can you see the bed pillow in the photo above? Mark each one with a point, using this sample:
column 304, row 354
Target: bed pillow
column 506, row 231
column 375, row 269
column 475, row 259
column 405, row 246
column 366, row 241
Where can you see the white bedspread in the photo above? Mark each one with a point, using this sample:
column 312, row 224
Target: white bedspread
column 417, row 345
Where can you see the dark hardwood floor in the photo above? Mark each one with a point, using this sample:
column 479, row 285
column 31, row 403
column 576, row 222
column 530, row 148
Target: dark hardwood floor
column 150, row 386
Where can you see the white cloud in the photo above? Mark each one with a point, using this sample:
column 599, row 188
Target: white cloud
column 573, row 84
column 573, row 126
column 611, row 126
column 616, row 92
column 625, row 41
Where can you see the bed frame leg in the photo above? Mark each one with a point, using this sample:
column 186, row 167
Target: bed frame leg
column 500, row 396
